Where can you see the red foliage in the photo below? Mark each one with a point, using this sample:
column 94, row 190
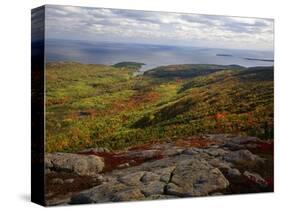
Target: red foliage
column 262, row 147
column 250, row 119
column 194, row 142
column 219, row 116
column 269, row 181
column 114, row 160
column 135, row 101
column 266, row 147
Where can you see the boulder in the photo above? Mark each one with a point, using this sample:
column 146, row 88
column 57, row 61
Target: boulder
column 99, row 194
column 74, row 163
column 220, row 164
column 132, row 178
column 153, row 188
column 149, row 176
column 165, row 173
column 193, row 177
column 216, row 151
column 128, row 195
column 192, row 151
column 233, row 173
column 242, row 156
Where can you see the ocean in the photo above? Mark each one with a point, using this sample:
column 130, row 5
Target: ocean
column 153, row 56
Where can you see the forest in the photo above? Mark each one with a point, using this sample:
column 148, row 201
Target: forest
column 93, row 105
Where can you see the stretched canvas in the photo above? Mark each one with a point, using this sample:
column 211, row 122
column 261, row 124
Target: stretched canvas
column 132, row 105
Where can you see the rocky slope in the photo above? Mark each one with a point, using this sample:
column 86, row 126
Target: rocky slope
column 194, row 166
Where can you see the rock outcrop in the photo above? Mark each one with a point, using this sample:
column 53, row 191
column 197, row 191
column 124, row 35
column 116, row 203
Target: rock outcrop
column 179, row 176
column 74, row 163
column 196, row 166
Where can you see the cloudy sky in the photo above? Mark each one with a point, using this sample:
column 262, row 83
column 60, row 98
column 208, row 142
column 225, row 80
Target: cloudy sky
column 95, row 24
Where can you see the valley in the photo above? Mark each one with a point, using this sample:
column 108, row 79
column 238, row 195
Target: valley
column 92, row 105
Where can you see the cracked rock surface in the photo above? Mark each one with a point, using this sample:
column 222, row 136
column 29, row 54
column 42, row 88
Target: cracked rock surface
column 191, row 167
column 177, row 176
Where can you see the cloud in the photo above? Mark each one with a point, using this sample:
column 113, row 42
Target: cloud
column 82, row 23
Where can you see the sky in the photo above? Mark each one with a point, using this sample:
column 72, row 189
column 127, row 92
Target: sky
column 164, row 28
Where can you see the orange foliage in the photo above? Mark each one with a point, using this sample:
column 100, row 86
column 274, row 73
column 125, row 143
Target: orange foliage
column 56, row 101
column 219, row 116
column 135, row 101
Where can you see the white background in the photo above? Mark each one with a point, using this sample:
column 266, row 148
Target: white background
column 15, row 104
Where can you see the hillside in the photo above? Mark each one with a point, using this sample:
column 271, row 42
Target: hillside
column 92, row 105
column 188, row 70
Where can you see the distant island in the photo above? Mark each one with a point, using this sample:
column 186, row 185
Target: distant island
column 224, row 55
column 264, row 60
column 130, row 65
column 246, row 58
